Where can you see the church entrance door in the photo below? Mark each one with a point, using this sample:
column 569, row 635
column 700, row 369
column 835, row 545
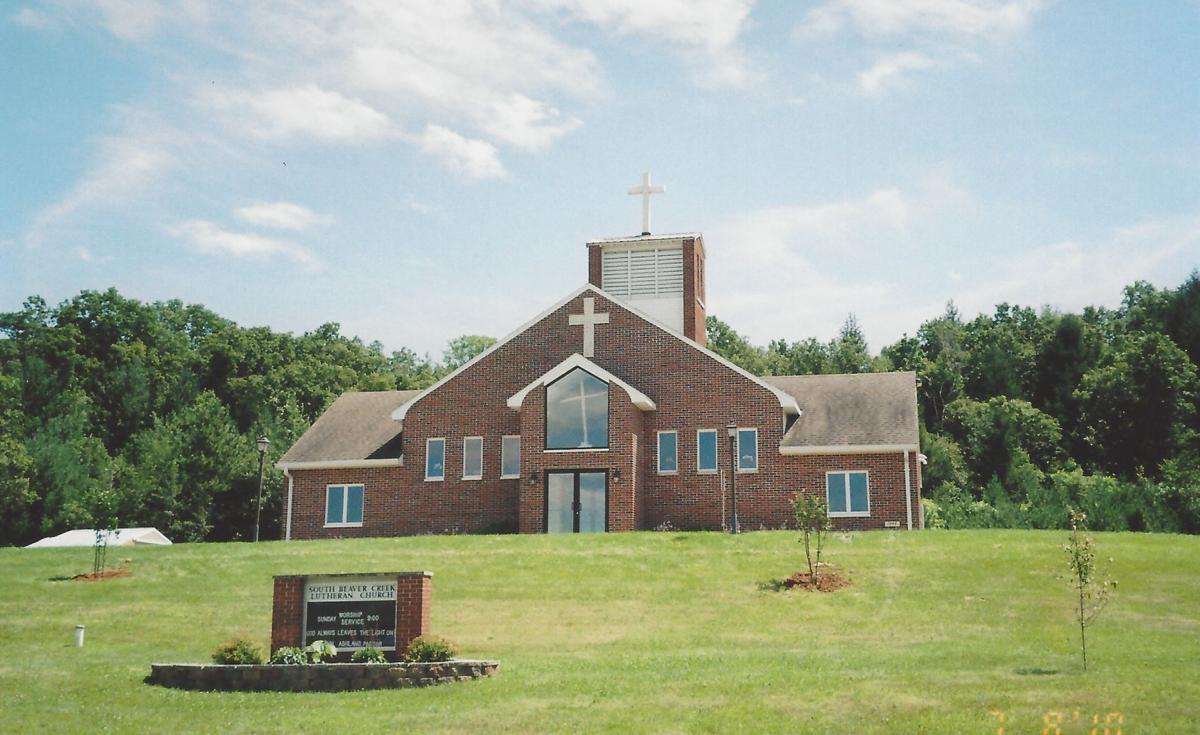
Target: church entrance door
column 577, row 501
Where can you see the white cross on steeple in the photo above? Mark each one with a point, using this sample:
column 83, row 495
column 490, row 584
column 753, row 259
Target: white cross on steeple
column 645, row 190
column 589, row 319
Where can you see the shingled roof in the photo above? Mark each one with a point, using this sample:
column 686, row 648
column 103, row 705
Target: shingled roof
column 358, row 426
column 854, row 412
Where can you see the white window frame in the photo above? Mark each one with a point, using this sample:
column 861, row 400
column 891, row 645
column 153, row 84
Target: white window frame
column 716, row 451
column 429, row 477
column 849, row 513
column 658, row 452
column 464, row 464
column 345, row 486
column 746, row 470
column 503, row 457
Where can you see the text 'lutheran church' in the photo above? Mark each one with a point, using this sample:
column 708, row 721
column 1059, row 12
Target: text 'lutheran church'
column 605, row 412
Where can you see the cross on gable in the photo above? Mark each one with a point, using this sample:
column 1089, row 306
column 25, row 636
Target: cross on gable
column 589, row 319
column 645, row 190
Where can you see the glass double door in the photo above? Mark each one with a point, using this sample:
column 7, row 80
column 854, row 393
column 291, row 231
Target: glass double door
column 576, row 502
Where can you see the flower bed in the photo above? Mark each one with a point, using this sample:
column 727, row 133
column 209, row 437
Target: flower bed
column 334, row 677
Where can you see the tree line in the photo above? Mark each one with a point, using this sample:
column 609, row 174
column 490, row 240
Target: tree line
column 118, row 411
column 1025, row 414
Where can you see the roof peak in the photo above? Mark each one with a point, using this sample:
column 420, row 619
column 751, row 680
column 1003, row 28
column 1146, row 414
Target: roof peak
column 644, row 238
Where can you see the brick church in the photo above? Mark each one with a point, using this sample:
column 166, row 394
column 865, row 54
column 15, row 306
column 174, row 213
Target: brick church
column 606, row 412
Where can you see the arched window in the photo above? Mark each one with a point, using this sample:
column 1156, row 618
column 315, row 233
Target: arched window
column 577, row 412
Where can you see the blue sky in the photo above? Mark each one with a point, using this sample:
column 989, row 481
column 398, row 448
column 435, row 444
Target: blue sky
column 416, row 171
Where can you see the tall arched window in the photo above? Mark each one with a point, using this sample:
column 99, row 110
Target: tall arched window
column 577, row 412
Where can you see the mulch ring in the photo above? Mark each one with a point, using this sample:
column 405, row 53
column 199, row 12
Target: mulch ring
column 828, row 580
column 103, row 575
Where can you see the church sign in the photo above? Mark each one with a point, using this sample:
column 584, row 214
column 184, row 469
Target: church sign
column 351, row 611
column 354, row 612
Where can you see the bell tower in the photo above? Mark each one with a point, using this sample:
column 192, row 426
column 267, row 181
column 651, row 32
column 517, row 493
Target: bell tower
column 659, row 275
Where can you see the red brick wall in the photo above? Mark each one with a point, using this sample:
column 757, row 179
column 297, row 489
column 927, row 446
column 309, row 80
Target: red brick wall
column 695, row 325
column 413, row 593
column 397, row 500
column 624, row 422
column 595, row 272
column 287, row 613
column 692, row 391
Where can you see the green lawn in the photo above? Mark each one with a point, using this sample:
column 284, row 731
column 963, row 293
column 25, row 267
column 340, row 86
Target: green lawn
column 646, row 632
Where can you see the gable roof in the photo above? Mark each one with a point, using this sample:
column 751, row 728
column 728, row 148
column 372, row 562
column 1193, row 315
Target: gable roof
column 868, row 412
column 638, row 398
column 786, row 401
column 357, row 427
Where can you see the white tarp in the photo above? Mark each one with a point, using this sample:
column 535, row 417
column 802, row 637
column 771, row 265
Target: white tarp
column 119, row 537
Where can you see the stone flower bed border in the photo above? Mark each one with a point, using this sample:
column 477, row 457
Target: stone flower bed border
column 331, row 677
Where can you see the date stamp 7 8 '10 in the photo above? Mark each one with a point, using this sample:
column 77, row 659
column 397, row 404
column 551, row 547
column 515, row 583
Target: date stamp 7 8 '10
column 1056, row 722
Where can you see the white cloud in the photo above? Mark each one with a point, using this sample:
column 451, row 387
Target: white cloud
column 1072, row 274
column 932, row 34
column 526, row 123
column 889, row 72
column 305, row 110
column 798, row 271
column 123, row 168
column 781, row 231
column 207, row 237
column 472, row 159
column 794, row 272
column 87, row 256
column 130, row 20
column 348, row 71
column 31, row 18
column 418, row 207
column 980, row 18
column 281, row 215
column 709, row 29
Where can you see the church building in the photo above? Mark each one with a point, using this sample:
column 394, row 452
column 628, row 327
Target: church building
column 606, row 412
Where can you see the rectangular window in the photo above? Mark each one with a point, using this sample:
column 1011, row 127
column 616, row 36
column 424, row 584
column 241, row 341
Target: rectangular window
column 747, row 449
column 706, row 451
column 435, row 459
column 473, row 458
column 847, row 494
column 343, row 505
column 668, row 452
column 510, row 457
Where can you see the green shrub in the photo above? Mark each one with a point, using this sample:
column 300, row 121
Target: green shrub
column 933, row 513
column 812, row 518
column 959, row 510
column 290, row 655
column 425, row 649
column 238, row 651
column 319, row 651
column 368, row 655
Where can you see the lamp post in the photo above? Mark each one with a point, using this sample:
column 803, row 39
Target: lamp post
column 731, row 429
column 263, row 443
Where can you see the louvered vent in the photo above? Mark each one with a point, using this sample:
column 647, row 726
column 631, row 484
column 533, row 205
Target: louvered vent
column 643, row 272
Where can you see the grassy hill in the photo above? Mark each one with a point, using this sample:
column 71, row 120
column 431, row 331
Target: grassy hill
column 636, row 633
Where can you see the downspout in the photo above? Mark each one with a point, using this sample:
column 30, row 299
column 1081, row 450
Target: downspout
column 287, row 534
column 907, row 491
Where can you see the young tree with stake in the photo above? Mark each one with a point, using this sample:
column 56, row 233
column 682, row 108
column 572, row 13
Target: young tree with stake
column 1093, row 594
column 812, row 518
